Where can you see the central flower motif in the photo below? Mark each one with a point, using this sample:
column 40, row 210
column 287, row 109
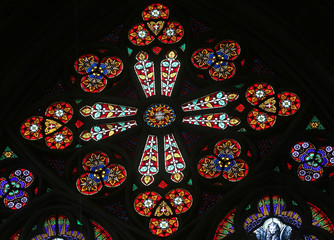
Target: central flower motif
column 159, row 115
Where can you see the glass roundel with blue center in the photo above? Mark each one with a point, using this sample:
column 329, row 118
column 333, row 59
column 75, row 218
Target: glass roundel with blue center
column 96, row 71
column 223, row 162
column 159, row 115
column 219, row 61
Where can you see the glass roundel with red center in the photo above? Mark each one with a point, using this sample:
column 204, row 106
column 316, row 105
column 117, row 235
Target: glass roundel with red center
column 180, row 199
column 164, row 227
column 139, row 35
column 258, row 92
column 31, row 128
column 172, row 33
column 60, row 139
column 155, row 11
column 146, row 202
column 260, row 120
column 61, row 111
column 289, row 103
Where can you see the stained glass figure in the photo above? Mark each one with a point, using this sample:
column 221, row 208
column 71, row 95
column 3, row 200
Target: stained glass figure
column 273, row 228
column 312, row 160
column 144, row 69
column 265, row 206
column 169, row 68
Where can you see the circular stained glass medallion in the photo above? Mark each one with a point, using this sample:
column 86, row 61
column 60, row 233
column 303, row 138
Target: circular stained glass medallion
column 159, row 115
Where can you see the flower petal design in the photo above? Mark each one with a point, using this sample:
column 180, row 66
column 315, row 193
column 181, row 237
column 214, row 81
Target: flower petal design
column 222, row 70
column 215, row 120
column 155, row 11
column 21, row 178
column 102, row 110
column 229, row 49
column 169, row 69
column 174, row 162
column 111, row 66
column 260, row 120
column 116, row 175
column 235, row 170
column 211, row 101
column 164, row 227
column 31, row 128
column 146, row 202
column 95, row 160
column 258, row 92
column 227, row 148
column 289, row 103
column 85, row 63
column 93, row 83
column 180, row 199
column 149, row 162
column 312, row 160
column 103, row 131
column 203, row 58
column 88, row 184
column 172, row 33
column 144, row 69
column 61, row 111
column 206, row 167
column 139, row 35
column 60, row 139
column 12, row 189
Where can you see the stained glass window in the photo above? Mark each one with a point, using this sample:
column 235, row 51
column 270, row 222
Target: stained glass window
column 167, row 125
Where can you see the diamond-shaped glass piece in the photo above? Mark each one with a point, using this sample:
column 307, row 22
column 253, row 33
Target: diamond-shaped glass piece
column 162, row 184
column 78, row 124
column 156, row 50
column 240, row 108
